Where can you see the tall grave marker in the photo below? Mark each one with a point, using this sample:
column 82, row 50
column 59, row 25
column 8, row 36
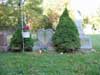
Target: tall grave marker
column 86, row 44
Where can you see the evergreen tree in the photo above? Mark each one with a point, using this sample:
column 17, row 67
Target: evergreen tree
column 16, row 43
column 66, row 37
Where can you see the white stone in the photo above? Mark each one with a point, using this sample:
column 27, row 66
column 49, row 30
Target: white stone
column 85, row 41
column 44, row 39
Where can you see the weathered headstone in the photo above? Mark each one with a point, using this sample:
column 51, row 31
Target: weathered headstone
column 3, row 42
column 44, row 39
column 86, row 44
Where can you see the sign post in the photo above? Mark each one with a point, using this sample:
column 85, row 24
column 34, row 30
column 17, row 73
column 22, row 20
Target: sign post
column 21, row 2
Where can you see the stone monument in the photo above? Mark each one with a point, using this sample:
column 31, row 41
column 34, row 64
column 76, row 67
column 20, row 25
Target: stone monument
column 3, row 42
column 86, row 44
column 44, row 40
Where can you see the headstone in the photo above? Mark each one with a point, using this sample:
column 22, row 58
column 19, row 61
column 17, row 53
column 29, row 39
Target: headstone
column 78, row 22
column 3, row 42
column 44, row 39
column 86, row 44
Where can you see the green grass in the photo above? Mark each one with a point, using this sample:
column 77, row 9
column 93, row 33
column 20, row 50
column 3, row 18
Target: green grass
column 96, row 42
column 52, row 63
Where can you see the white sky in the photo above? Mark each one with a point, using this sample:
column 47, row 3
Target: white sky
column 87, row 7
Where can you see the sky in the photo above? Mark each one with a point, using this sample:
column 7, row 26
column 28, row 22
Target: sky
column 87, row 7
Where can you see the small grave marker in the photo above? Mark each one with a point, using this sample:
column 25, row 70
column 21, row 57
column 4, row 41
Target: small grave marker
column 3, row 42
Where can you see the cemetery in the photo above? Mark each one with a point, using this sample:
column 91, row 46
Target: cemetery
column 22, row 39
column 39, row 38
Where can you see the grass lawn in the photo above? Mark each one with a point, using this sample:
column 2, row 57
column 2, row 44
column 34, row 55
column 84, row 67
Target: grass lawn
column 52, row 64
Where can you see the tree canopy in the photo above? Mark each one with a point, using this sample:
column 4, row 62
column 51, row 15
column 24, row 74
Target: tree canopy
column 9, row 12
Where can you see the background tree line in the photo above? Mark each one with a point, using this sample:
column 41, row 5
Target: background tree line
column 33, row 12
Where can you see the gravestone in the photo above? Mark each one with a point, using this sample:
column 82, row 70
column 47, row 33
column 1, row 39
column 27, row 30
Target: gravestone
column 3, row 42
column 44, row 39
column 86, row 44
column 78, row 22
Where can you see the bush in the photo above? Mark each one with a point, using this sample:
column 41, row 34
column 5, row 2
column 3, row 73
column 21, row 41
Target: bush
column 28, row 44
column 16, row 43
column 66, row 37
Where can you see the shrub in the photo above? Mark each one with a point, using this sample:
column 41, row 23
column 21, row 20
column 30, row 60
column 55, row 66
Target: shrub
column 28, row 44
column 66, row 37
column 16, row 43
